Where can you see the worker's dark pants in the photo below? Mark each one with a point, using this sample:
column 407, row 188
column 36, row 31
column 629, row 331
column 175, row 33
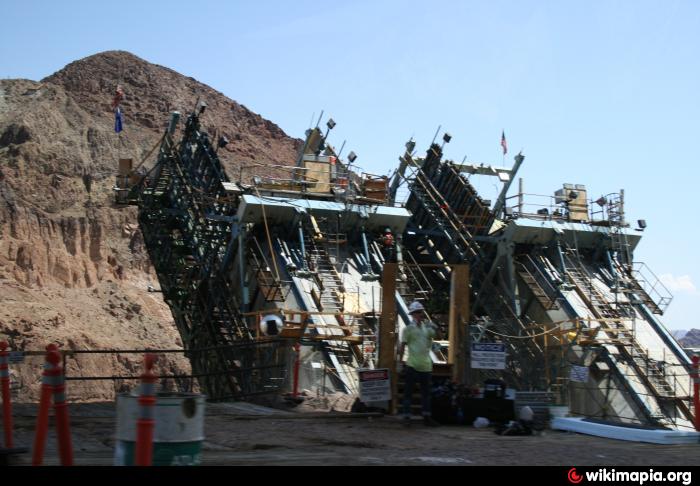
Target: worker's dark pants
column 423, row 378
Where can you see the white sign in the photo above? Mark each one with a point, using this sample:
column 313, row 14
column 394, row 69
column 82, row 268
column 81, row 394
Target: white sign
column 489, row 356
column 579, row 374
column 375, row 385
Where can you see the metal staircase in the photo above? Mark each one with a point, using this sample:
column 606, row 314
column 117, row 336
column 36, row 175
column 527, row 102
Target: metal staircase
column 187, row 218
column 631, row 352
column 634, row 277
column 329, row 282
column 538, row 283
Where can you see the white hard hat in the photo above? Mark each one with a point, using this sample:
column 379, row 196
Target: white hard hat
column 415, row 307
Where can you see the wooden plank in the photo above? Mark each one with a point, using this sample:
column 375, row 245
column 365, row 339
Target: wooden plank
column 125, row 166
column 387, row 328
column 459, row 322
column 318, row 175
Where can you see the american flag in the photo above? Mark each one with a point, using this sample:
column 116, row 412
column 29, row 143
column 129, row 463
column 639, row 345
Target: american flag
column 503, row 142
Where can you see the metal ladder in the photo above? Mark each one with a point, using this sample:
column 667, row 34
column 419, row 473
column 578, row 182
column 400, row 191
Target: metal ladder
column 329, row 281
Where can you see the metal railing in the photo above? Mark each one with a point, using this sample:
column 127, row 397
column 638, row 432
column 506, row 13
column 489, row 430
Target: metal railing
column 546, row 207
column 268, row 377
column 652, row 285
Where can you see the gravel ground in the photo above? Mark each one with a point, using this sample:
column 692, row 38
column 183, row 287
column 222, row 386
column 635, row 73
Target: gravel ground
column 246, row 434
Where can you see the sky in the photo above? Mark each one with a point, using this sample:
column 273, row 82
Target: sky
column 600, row 93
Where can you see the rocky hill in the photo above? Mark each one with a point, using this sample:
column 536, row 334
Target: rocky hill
column 691, row 339
column 73, row 269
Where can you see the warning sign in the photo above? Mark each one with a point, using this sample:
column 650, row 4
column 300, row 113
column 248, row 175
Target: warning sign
column 489, row 356
column 375, row 385
column 579, row 374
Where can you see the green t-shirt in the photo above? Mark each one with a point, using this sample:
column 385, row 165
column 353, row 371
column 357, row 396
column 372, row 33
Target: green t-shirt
column 419, row 341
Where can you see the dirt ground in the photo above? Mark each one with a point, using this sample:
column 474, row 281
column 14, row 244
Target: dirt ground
column 246, row 434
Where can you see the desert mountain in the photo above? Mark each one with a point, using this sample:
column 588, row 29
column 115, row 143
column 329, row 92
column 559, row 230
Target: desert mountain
column 73, row 268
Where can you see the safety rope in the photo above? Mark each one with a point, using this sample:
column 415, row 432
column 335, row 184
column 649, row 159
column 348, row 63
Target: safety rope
column 267, row 233
column 158, row 143
column 530, row 336
column 557, row 327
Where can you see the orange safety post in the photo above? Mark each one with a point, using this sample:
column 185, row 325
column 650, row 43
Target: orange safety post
column 42, row 419
column 65, row 445
column 696, row 391
column 146, row 423
column 6, row 399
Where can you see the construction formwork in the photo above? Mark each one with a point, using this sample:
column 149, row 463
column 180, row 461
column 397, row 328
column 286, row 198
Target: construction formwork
column 537, row 272
column 316, row 241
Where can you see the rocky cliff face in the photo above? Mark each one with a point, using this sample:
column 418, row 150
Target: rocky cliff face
column 73, row 268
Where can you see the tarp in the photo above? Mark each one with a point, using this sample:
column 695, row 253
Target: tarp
column 623, row 432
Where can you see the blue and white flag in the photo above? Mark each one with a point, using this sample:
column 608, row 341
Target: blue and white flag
column 118, row 120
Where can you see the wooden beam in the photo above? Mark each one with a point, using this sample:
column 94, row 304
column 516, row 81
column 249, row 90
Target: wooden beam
column 387, row 329
column 459, row 322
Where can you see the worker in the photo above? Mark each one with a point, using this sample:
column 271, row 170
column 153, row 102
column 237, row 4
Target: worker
column 388, row 238
column 418, row 335
column 387, row 242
